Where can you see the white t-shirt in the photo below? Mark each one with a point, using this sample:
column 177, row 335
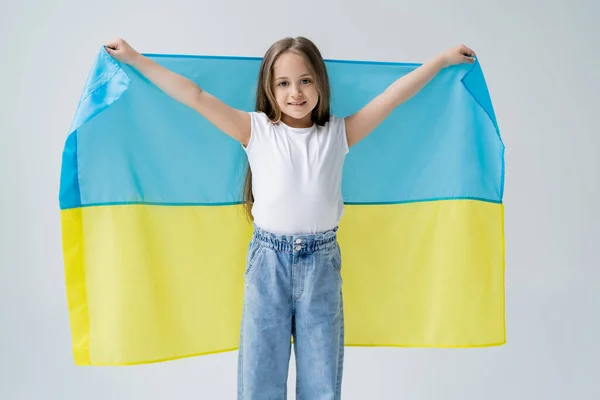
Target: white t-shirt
column 296, row 175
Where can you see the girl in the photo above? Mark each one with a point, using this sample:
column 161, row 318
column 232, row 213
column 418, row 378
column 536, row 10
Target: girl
column 295, row 149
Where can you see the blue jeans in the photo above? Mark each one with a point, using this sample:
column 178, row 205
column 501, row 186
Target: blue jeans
column 293, row 288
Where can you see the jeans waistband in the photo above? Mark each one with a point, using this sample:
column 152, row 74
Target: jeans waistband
column 309, row 242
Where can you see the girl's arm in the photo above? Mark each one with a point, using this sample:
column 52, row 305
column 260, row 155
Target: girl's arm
column 231, row 121
column 363, row 122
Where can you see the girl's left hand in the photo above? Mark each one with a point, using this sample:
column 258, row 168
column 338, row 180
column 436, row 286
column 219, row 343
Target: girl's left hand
column 457, row 55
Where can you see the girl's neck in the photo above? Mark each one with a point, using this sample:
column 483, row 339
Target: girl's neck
column 305, row 122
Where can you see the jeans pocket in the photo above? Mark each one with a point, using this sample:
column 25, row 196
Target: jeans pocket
column 336, row 260
column 254, row 252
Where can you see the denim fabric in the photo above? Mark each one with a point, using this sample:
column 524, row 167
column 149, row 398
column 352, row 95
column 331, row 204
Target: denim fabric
column 293, row 288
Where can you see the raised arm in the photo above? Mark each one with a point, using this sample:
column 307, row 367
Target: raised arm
column 364, row 121
column 231, row 121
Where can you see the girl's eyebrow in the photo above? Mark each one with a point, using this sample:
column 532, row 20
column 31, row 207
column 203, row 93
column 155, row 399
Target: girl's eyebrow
column 285, row 77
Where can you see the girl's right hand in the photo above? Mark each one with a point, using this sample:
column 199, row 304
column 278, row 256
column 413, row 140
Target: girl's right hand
column 121, row 51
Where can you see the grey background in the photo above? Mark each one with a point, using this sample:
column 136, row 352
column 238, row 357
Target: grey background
column 541, row 64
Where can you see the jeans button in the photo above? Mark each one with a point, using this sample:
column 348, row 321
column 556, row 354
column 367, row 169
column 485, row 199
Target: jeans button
column 298, row 248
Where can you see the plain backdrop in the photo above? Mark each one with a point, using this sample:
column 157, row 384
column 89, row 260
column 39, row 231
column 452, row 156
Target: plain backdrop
column 540, row 60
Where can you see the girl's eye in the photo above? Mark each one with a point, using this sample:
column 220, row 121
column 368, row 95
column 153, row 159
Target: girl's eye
column 304, row 81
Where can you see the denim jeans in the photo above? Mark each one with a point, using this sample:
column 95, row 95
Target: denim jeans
column 293, row 289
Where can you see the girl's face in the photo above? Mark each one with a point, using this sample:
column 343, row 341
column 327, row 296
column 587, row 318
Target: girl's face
column 294, row 89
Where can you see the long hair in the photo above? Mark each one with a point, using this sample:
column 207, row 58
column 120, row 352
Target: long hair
column 265, row 99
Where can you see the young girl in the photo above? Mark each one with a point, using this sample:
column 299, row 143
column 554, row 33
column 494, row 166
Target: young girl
column 295, row 149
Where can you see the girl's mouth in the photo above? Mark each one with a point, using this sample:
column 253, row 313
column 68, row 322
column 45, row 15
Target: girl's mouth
column 297, row 104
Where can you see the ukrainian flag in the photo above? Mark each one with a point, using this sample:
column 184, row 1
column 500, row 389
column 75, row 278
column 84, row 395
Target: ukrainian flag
column 155, row 236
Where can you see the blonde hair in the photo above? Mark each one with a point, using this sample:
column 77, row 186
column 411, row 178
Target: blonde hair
column 265, row 99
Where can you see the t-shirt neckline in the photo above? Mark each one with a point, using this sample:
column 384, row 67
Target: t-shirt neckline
column 298, row 130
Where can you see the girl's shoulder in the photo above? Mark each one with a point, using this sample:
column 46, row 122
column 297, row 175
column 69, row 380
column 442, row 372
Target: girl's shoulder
column 336, row 123
column 259, row 121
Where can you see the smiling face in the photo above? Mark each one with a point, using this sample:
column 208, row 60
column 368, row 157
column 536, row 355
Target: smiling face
column 294, row 89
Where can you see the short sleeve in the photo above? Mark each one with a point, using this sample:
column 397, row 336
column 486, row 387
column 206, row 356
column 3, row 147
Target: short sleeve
column 338, row 128
column 344, row 135
column 259, row 124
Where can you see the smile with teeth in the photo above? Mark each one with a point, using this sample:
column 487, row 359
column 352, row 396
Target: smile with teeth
column 297, row 103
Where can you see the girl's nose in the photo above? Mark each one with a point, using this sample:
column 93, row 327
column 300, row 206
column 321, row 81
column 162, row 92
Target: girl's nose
column 296, row 90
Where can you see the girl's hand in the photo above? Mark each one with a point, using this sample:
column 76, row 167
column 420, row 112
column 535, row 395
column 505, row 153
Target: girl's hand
column 121, row 51
column 457, row 55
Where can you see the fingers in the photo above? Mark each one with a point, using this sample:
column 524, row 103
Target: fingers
column 468, row 55
column 469, row 52
column 110, row 47
column 114, row 44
